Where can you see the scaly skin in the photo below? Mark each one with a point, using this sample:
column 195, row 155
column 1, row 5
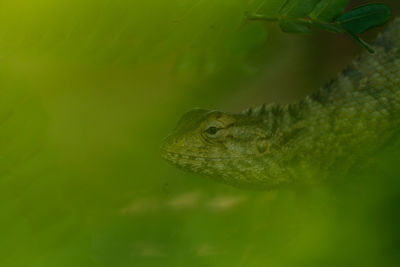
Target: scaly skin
column 282, row 145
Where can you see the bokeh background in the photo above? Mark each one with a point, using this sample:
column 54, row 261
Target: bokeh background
column 88, row 90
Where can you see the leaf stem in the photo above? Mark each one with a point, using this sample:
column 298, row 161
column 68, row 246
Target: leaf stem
column 362, row 43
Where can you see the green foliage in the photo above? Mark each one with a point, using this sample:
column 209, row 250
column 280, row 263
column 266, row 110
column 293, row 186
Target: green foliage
column 364, row 18
column 297, row 8
column 300, row 16
column 328, row 10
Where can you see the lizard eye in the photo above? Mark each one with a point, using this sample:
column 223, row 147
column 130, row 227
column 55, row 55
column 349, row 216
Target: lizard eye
column 212, row 130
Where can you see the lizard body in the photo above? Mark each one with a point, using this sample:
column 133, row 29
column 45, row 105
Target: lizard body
column 277, row 145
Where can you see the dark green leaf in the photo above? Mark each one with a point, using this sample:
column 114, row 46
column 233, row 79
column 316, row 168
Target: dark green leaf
column 328, row 10
column 363, row 18
column 294, row 25
column 298, row 8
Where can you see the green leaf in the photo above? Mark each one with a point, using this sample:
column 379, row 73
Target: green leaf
column 298, row 8
column 328, row 10
column 294, row 25
column 299, row 16
column 363, row 18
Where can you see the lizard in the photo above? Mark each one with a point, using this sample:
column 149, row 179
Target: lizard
column 274, row 146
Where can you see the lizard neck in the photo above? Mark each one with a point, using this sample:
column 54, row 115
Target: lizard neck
column 328, row 132
column 371, row 84
column 358, row 111
column 352, row 116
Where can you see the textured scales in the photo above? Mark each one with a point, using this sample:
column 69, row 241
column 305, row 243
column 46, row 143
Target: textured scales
column 280, row 145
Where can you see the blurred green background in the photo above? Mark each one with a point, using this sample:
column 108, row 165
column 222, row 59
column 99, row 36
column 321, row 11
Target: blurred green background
column 88, row 89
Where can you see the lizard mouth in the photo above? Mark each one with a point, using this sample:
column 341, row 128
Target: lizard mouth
column 172, row 156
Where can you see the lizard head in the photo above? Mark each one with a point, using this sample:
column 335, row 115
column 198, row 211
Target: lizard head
column 229, row 147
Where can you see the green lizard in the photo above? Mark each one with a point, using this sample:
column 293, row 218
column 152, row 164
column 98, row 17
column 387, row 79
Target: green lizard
column 280, row 145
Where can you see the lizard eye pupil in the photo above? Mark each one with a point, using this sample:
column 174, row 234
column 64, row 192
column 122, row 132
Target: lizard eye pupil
column 212, row 130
